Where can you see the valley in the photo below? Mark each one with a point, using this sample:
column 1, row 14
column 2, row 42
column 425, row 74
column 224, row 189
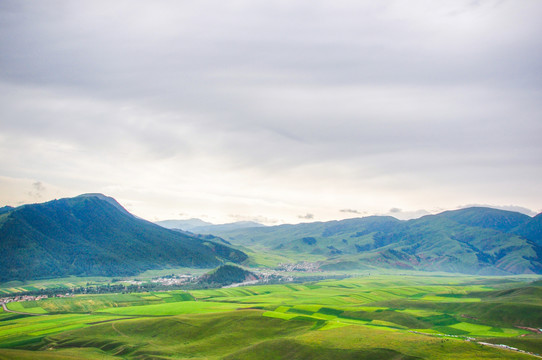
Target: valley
column 370, row 317
column 82, row 278
column 275, row 180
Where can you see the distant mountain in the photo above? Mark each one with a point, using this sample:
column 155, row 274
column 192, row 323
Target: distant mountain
column 209, row 229
column 198, row 226
column 93, row 235
column 186, row 225
column 473, row 240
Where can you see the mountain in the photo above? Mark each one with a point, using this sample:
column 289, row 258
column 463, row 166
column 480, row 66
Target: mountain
column 202, row 227
column 5, row 209
column 488, row 218
column 93, row 235
column 473, row 240
column 186, row 225
column 531, row 230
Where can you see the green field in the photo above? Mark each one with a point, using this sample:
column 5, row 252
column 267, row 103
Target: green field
column 371, row 317
column 15, row 287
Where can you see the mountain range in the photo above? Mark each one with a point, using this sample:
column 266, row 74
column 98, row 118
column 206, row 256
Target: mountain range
column 93, row 235
column 475, row 240
column 202, row 227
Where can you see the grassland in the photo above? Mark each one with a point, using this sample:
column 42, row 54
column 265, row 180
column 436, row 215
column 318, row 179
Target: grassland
column 16, row 287
column 372, row 317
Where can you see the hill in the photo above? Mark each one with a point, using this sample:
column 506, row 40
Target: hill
column 488, row 218
column 93, row 235
column 531, row 229
column 5, row 209
column 474, row 241
column 226, row 275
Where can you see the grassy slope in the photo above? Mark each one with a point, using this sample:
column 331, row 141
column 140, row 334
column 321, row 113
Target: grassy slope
column 370, row 318
column 93, row 236
column 248, row 335
column 474, row 240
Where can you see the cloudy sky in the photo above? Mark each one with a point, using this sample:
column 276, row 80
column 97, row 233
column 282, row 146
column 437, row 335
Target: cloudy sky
column 274, row 111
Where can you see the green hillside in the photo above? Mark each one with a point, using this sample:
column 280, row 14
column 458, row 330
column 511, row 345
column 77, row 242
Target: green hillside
column 226, row 275
column 501, row 220
column 531, row 230
column 372, row 317
column 92, row 235
column 473, row 240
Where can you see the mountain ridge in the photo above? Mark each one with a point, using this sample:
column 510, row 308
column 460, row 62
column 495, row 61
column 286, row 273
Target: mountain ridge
column 474, row 240
column 93, row 235
column 531, row 230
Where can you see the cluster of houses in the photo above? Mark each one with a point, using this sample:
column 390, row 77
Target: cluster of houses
column 302, row 266
column 262, row 277
column 173, row 280
column 17, row 298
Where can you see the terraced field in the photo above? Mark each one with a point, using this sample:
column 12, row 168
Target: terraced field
column 378, row 317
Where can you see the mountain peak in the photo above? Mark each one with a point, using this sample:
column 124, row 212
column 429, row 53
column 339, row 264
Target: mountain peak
column 93, row 235
column 502, row 220
column 105, row 198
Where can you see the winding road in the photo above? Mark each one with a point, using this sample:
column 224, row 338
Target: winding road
column 18, row 312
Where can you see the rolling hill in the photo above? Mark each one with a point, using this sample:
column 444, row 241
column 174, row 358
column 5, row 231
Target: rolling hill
column 226, row 275
column 475, row 240
column 93, row 235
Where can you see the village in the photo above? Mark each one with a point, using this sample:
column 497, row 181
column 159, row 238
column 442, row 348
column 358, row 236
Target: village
column 164, row 283
column 301, row 266
column 19, row 298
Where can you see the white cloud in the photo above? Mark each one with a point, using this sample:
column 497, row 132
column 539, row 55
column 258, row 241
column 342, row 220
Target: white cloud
column 273, row 108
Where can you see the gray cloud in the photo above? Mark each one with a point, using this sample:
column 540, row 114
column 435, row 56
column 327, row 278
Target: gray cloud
column 438, row 100
column 38, row 186
column 395, row 210
column 257, row 219
column 306, row 216
column 37, row 190
column 350, row 211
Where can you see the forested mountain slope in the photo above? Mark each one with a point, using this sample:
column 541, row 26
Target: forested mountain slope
column 94, row 235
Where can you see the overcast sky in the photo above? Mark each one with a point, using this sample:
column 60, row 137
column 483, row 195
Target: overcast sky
column 274, row 111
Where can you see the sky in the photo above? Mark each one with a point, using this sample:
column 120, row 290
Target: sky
column 273, row 111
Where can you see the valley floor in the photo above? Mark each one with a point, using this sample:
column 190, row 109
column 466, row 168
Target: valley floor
column 372, row 317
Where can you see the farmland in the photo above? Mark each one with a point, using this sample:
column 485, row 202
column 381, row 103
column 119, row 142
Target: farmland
column 370, row 317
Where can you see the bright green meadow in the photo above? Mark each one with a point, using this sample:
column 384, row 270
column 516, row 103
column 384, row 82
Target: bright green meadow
column 371, row 317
